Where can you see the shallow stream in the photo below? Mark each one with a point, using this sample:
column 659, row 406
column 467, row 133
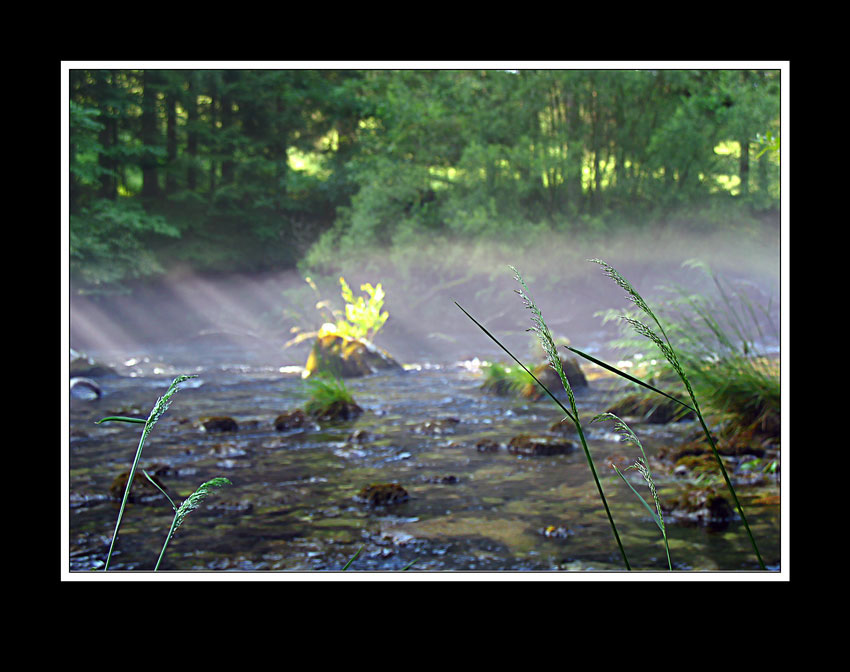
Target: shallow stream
column 292, row 504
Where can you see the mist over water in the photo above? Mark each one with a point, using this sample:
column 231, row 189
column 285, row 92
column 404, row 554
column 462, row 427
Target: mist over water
column 253, row 314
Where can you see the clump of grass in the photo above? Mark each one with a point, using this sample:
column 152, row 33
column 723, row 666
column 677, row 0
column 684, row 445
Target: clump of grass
column 326, row 392
column 547, row 342
column 717, row 344
column 189, row 504
column 641, row 465
column 737, row 381
column 657, row 335
column 156, row 413
column 504, row 380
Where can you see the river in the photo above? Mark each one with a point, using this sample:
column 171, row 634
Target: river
column 292, row 505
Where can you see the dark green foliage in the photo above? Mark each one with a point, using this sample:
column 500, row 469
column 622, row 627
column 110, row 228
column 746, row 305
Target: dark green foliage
column 110, row 242
column 259, row 169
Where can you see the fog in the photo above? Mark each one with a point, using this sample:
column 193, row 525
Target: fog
column 254, row 314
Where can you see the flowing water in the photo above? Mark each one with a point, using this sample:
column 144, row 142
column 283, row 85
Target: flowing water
column 292, row 504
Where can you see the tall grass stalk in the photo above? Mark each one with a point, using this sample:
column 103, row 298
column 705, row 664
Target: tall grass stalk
column 663, row 344
column 191, row 503
column 156, row 413
column 548, row 343
column 641, row 465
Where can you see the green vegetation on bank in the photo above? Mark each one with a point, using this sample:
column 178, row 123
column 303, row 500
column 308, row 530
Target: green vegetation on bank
column 653, row 331
column 245, row 170
column 720, row 334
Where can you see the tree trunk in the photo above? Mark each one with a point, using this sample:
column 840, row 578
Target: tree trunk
column 575, row 153
column 108, row 178
column 192, row 133
column 150, row 178
column 228, row 165
column 108, row 139
column 171, row 143
column 744, row 167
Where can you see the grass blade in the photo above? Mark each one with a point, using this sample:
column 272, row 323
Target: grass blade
column 353, row 558
column 120, row 418
column 625, row 375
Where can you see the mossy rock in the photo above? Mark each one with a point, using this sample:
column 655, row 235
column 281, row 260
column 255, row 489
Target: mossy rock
column 218, row 423
column 382, row 494
column 487, row 446
column 336, row 411
column 652, row 409
column 549, row 377
column 735, row 442
column 701, row 506
column 525, row 444
column 696, row 464
column 343, row 357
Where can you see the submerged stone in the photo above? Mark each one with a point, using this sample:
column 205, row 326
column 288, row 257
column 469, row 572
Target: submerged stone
column 218, row 423
column 700, row 506
column 360, row 436
column 382, row 494
column 487, row 446
column 525, row 444
column 291, row 420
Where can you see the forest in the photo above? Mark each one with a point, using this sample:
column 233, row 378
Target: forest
column 231, row 170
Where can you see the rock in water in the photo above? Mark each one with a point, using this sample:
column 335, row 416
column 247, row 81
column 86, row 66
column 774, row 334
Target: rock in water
column 218, row 423
column 85, row 388
column 528, row 445
column 382, row 494
column 344, row 357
